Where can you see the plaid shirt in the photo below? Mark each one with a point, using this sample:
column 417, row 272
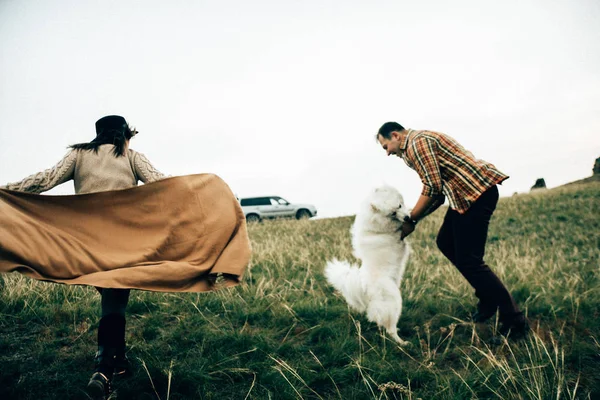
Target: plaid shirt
column 446, row 167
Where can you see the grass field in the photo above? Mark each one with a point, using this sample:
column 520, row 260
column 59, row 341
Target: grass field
column 285, row 334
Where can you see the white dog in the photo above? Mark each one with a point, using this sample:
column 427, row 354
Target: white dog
column 374, row 288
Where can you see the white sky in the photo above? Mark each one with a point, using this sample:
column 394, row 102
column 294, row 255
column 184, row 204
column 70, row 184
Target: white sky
column 285, row 97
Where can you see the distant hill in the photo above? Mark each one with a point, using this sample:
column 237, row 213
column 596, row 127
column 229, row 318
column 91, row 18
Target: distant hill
column 589, row 179
column 594, row 178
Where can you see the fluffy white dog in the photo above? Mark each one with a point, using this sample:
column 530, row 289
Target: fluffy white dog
column 374, row 288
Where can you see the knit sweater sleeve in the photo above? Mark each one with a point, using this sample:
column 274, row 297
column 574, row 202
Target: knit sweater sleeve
column 43, row 181
column 144, row 170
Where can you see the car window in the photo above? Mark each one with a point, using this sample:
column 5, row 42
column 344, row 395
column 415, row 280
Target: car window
column 262, row 201
column 255, row 201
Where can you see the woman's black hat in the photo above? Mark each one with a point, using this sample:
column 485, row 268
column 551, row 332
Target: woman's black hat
column 110, row 122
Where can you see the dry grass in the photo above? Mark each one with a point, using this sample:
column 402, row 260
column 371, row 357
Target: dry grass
column 285, row 334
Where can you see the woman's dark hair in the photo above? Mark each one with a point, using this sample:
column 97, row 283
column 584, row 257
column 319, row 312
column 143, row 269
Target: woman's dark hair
column 114, row 136
column 387, row 129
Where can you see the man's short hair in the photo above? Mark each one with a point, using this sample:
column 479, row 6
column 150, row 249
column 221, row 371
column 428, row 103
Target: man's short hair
column 387, row 129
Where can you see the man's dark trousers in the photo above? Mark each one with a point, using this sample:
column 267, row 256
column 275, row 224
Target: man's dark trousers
column 462, row 240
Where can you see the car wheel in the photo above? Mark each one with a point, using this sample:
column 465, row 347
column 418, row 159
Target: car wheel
column 252, row 218
column 303, row 214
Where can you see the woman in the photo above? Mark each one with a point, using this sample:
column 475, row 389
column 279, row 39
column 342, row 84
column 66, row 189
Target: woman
column 106, row 163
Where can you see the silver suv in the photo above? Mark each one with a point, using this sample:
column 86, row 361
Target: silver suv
column 258, row 208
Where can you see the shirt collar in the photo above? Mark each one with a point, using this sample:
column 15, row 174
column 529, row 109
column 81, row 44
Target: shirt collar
column 404, row 138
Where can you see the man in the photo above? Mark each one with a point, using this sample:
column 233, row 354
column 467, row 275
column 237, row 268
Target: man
column 448, row 169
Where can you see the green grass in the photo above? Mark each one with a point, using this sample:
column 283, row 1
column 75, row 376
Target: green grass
column 285, row 334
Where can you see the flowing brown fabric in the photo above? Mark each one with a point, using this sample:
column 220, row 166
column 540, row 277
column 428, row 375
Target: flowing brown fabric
column 174, row 235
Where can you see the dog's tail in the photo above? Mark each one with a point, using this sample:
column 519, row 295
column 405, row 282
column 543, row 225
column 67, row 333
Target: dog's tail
column 345, row 277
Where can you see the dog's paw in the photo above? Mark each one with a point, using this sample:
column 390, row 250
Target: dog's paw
column 404, row 343
column 399, row 341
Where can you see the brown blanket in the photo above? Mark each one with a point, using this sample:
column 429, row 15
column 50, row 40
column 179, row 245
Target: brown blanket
column 174, row 235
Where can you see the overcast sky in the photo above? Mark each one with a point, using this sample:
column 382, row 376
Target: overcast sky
column 285, row 97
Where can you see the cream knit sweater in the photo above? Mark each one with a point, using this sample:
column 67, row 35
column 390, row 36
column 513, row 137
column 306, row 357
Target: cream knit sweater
column 92, row 172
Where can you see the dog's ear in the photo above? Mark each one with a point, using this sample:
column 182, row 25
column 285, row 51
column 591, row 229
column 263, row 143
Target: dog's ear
column 374, row 199
column 376, row 204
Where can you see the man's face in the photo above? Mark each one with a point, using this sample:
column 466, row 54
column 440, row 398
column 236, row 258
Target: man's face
column 391, row 145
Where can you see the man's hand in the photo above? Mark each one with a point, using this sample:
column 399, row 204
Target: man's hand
column 407, row 228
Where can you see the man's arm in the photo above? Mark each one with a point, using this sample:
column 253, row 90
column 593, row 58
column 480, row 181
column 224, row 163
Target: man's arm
column 424, row 152
column 425, row 206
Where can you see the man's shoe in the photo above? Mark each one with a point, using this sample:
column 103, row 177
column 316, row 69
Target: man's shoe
column 483, row 313
column 515, row 329
column 99, row 386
